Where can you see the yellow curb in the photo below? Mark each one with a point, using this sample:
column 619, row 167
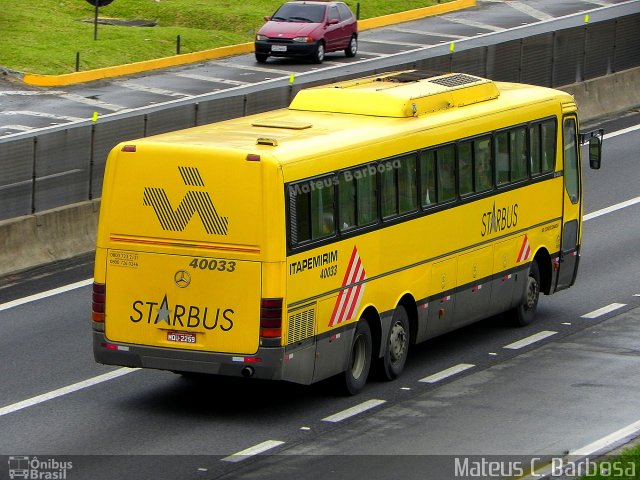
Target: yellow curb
column 173, row 61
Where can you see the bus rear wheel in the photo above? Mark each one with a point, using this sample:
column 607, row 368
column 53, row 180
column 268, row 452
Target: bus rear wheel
column 355, row 377
column 526, row 311
column 397, row 345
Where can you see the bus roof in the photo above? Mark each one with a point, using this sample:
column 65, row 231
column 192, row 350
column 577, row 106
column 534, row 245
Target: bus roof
column 324, row 119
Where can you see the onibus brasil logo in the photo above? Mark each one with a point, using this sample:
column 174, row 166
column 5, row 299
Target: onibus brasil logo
column 34, row 468
column 194, row 201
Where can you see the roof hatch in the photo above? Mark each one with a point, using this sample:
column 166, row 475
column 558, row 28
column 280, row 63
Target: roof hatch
column 400, row 94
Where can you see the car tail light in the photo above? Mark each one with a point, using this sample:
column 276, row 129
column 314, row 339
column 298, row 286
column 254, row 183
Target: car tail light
column 271, row 317
column 99, row 298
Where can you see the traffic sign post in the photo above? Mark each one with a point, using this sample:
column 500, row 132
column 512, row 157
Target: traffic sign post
column 97, row 4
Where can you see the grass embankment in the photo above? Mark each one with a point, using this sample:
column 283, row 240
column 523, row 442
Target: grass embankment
column 43, row 36
column 625, row 466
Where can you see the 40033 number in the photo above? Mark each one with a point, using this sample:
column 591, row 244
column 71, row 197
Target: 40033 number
column 212, row 264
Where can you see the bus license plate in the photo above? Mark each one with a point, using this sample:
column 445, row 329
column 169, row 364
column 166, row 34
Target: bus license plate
column 181, row 337
column 278, row 48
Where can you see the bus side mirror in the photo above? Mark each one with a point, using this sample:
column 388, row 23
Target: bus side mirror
column 595, row 152
column 594, row 140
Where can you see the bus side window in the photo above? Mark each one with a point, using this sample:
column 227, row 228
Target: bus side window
column 389, row 190
column 483, row 167
column 428, row 178
column 535, row 150
column 407, row 188
column 311, row 207
column 502, row 158
column 518, row 153
column 465, row 168
column 548, row 138
column 398, row 185
column 446, row 169
column 347, row 200
column 367, row 199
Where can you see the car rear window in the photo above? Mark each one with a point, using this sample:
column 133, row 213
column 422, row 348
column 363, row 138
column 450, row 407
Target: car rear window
column 299, row 12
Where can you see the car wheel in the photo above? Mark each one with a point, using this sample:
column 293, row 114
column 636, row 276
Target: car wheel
column 318, row 54
column 261, row 57
column 352, row 49
column 355, row 377
column 526, row 311
column 397, row 345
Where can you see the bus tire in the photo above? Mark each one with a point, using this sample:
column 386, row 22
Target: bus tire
column 355, row 377
column 525, row 312
column 397, row 345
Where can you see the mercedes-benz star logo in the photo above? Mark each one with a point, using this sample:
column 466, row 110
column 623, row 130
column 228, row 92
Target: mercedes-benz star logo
column 182, row 278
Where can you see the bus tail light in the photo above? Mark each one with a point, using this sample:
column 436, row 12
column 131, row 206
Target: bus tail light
column 271, row 317
column 99, row 298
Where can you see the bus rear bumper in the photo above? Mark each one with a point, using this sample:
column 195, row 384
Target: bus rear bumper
column 266, row 363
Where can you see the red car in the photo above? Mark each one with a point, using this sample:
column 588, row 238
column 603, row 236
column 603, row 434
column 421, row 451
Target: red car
column 309, row 30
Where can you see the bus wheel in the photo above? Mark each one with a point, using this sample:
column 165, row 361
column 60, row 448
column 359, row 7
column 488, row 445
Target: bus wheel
column 526, row 311
column 397, row 345
column 359, row 364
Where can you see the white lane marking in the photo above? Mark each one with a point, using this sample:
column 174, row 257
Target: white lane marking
column 374, row 54
column 604, row 310
column 154, row 90
column 48, row 293
column 602, row 445
column 29, row 402
column 20, row 128
column 390, row 42
column 449, row 372
column 250, row 67
column 29, row 113
column 91, row 102
column 252, row 451
column 422, row 32
column 205, row 78
column 610, row 209
column 29, row 93
column 621, row 132
column 525, row 342
column 471, row 23
column 350, row 412
column 532, row 12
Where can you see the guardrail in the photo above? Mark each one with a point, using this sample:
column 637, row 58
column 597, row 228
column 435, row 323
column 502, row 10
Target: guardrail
column 63, row 165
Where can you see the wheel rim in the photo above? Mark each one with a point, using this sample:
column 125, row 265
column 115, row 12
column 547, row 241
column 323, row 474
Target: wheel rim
column 533, row 291
column 353, row 46
column 397, row 342
column 359, row 357
column 320, row 54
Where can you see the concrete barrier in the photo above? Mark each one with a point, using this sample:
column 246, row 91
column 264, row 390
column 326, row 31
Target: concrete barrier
column 49, row 236
column 66, row 232
column 606, row 95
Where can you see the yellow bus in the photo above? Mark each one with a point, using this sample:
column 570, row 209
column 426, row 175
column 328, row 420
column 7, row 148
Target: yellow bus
column 327, row 238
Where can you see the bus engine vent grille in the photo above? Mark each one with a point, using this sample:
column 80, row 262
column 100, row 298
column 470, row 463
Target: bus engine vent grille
column 455, row 80
column 301, row 325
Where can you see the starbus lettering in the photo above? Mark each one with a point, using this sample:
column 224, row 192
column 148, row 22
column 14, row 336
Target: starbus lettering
column 500, row 219
column 177, row 315
column 313, row 262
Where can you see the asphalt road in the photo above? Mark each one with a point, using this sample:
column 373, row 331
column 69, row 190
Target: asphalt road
column 574, row 383
column 26, row 109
